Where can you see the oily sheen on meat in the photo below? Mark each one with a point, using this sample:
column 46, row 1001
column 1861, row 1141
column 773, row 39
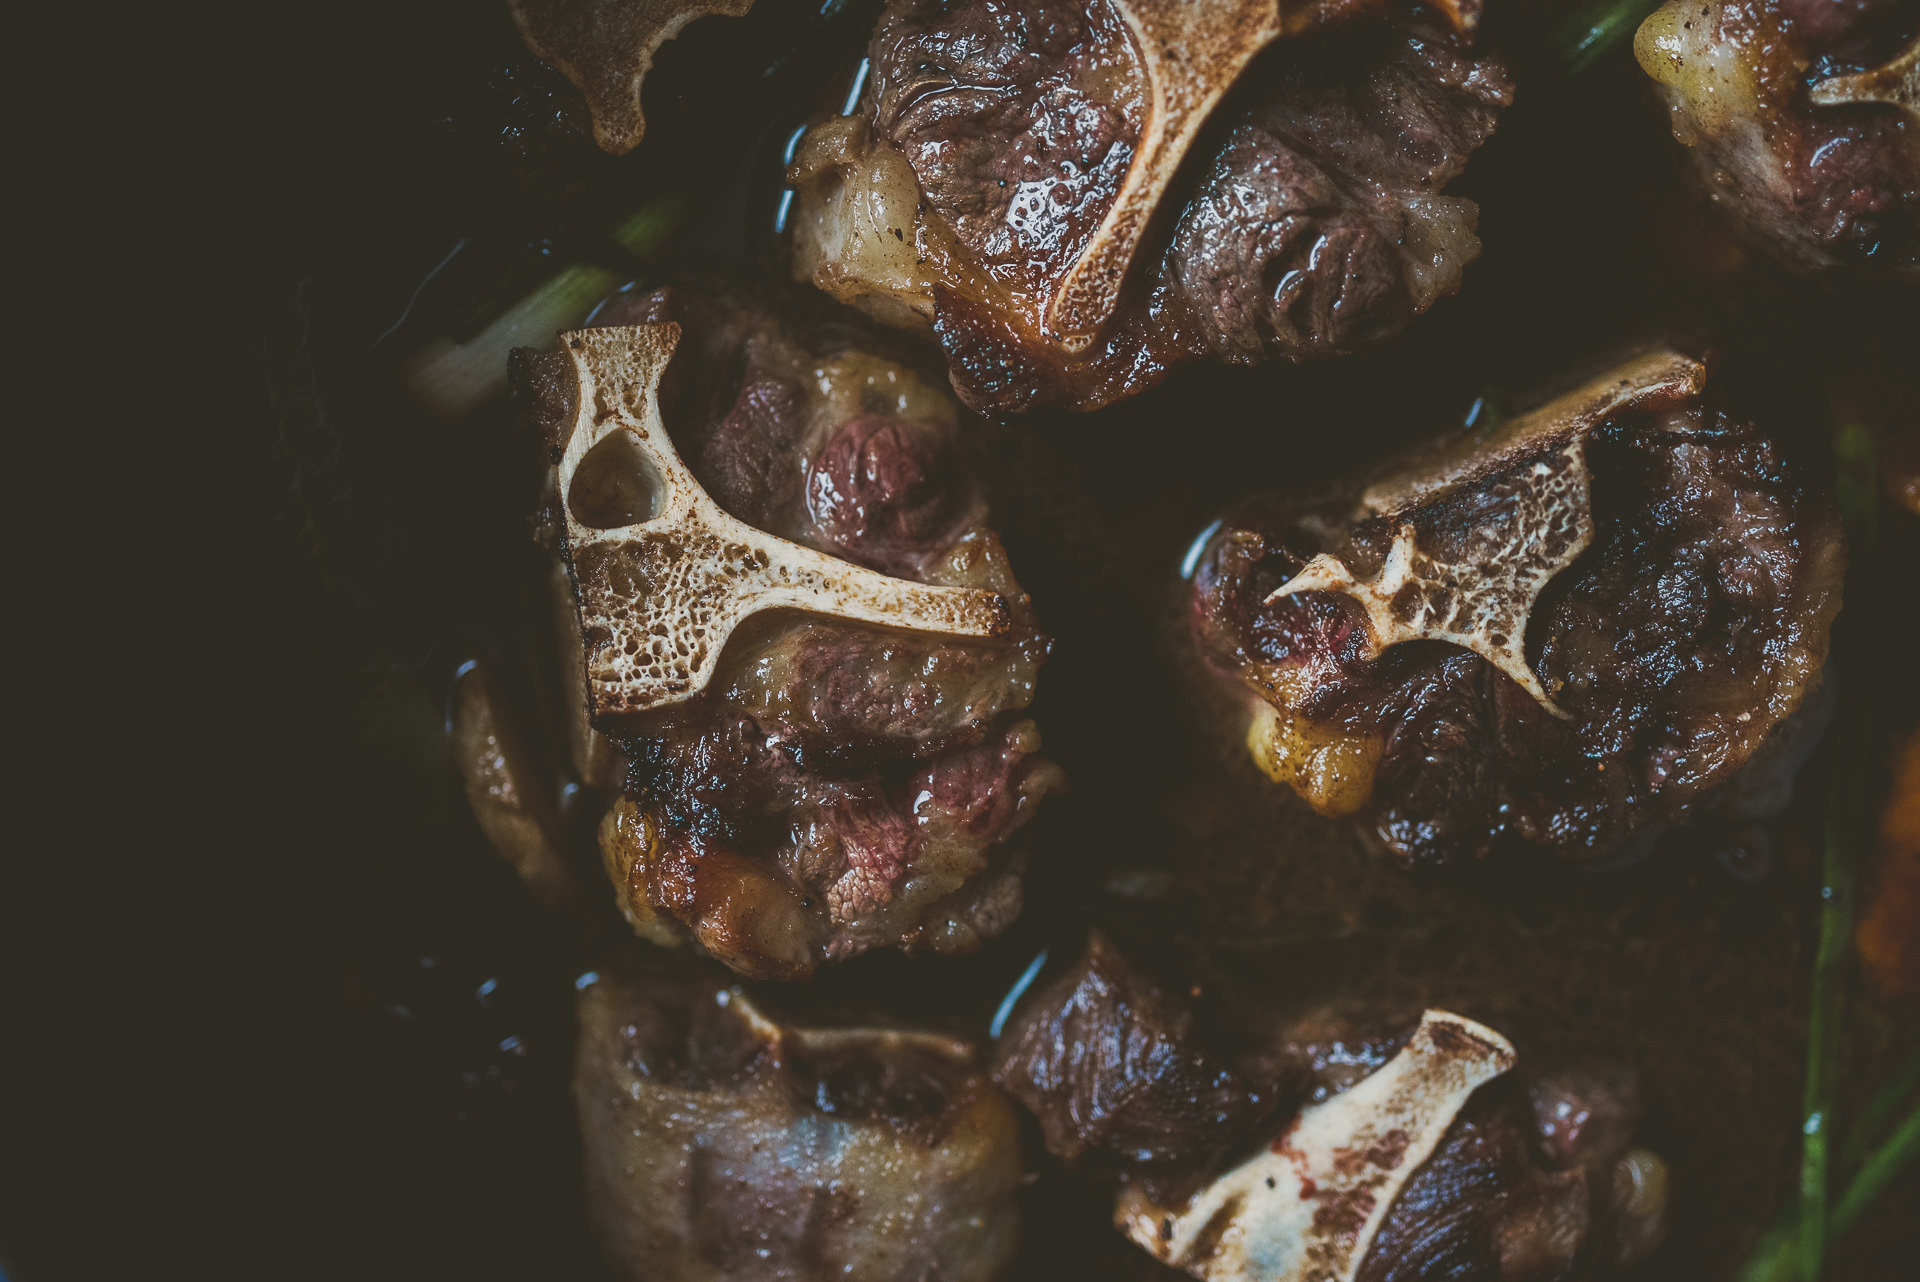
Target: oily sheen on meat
column 724, row 1145
column 1528, row 1176
column 1799, row 120
column 837, row 786
column 1007, row 180
column 1553, row 640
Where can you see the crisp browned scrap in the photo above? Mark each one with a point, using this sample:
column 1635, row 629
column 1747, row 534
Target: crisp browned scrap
column 1306, row 1207
column 1895, row 83
column 605, row 47
column 663, row 573
column 1481, row 596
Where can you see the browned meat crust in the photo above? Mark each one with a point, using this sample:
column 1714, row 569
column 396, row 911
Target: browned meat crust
column 1813, row 187
column 837, row 787
column 1685, row 633
column 996, row 136
column 1534, row 1178
column 1102, row 1058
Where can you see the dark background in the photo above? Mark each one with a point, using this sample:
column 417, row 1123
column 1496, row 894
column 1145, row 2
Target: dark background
column 246, row 920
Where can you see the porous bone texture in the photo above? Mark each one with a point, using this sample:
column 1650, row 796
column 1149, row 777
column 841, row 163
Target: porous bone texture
column 664, row 574
column 1237, row 1158
column 836, row 787
column 1308, row 1206
column 723, row 1145
column 1682, row 638
column 982, row 173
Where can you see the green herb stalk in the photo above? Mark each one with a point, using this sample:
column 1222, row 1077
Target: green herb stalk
column 1593, row 32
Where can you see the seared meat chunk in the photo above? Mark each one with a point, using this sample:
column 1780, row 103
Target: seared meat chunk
column 834, row 786
column 1326, row 1146
column 1320, row 228
column 1788, row 112
column 1104, row 1060
column 1020, row 121
column 1322, row 1053
column 1511, row 1192
column 1003, row 180
column 721, row 1144
column 1557, row 639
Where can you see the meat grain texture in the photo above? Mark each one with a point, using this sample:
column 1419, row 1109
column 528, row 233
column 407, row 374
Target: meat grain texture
column 995, row 136
column 838, row 787
column 1535, row 1178
column 1675, row 650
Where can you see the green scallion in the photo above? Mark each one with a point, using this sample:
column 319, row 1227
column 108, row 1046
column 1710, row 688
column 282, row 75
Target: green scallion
column 643, row 234
column 453, row 379
column 1593, row 32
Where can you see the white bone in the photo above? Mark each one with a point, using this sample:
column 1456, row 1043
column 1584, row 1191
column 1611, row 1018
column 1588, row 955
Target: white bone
column 1483, row 600
column 606, row 47
column 1481, row 604
column 1267, row 1219
column 1895, row 83
column 1191, row 52
column 659, row 597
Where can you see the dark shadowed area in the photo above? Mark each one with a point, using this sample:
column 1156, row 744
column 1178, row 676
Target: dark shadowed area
column 368, row 1073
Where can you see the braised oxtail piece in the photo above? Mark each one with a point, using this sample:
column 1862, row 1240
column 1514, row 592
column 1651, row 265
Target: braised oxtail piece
column 1557, row 638
column 1328, row 1148
column 721, row 1144
column 1801, row 121
column 1007, row 180
column 795, row 622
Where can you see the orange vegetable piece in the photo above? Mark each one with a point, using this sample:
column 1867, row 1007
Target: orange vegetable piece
column 1888, row 936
